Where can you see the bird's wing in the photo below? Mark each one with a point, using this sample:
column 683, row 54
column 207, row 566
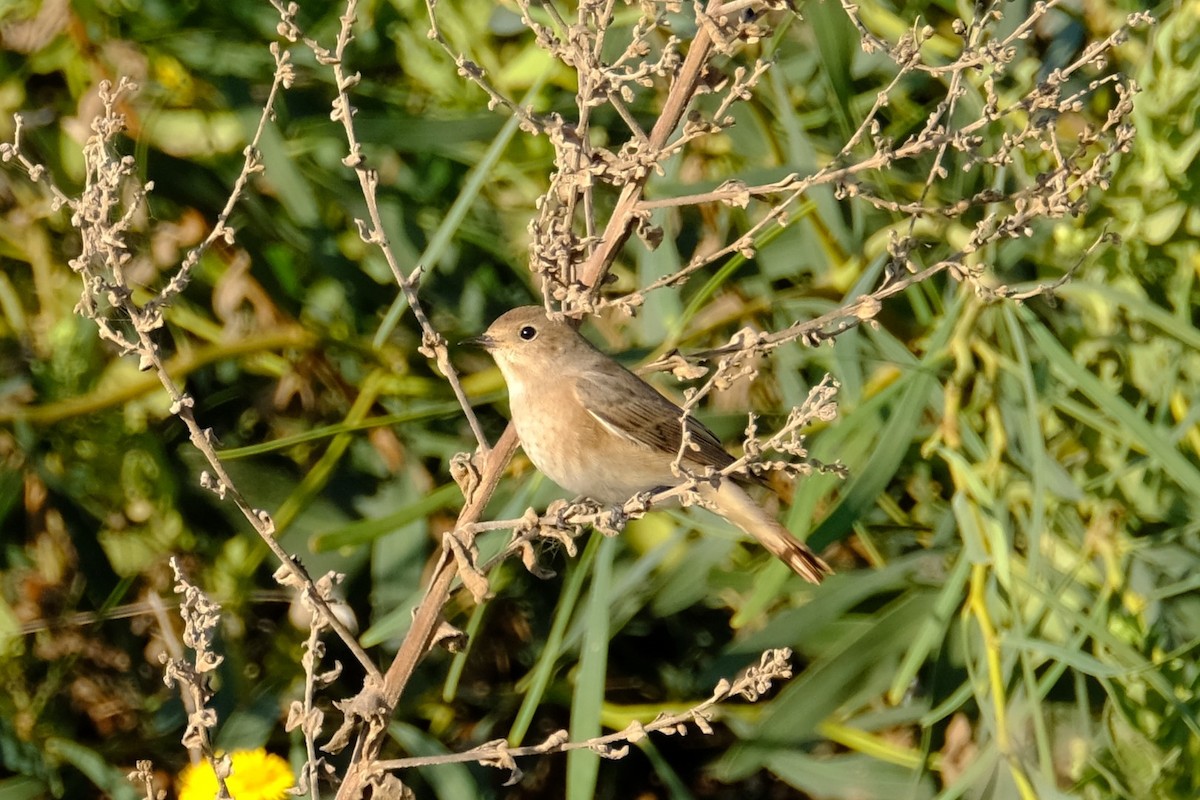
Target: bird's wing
column 630, row 408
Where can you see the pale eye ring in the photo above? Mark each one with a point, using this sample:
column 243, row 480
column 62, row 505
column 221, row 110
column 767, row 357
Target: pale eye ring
column 528, row 333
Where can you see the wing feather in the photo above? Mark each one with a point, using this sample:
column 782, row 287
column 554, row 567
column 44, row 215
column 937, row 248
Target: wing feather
column 629, row 407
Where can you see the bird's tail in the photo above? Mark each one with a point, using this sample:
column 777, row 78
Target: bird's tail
column 731, row 501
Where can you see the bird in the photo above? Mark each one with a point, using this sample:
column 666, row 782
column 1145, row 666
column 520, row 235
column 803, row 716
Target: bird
column 598, row 430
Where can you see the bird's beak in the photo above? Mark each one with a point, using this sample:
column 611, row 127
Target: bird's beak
column 482, row 340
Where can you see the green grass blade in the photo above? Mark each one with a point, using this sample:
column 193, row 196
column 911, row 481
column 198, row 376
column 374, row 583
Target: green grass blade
column 932, row 632
column 1142, row 435
column 108, row 778
column 459, row 663
column 874, row 476
column 828, row 682
column 366, row 531
column 676, row 789
column 539, row 678
column 848, row 775
column 583, row 766
column 23, row 788
column 458, row 210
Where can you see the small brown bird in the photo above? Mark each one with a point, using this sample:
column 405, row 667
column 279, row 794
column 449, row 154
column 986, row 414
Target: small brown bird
column 596, row 429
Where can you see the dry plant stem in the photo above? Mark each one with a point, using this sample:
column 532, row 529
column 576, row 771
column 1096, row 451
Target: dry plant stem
column 866, row 307
column 773, row 665
column 251, row 165
column 428, row 613
column 306, row 715
column 945, row 111
column 579, row 45
column 470, row 70
column 201, row 618
column 592, row 272
column 101, row 265
column 653, row 148
column 427, row 617
column 572, row 187
column 433, row 344
column 175, row 648
column 974, row 58
column 311, row 767
column 937, row 138
column 143, row 774
column 737, row 193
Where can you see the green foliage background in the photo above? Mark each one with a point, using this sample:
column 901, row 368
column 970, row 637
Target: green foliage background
column 1017, row 545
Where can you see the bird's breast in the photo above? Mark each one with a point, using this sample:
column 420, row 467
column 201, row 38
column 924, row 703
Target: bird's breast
column 567, row 444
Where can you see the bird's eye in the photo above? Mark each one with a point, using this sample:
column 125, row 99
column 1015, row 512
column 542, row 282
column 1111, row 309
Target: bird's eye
column 528, row 333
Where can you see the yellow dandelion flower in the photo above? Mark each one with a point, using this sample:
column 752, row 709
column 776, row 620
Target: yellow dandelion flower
column 257, row 775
